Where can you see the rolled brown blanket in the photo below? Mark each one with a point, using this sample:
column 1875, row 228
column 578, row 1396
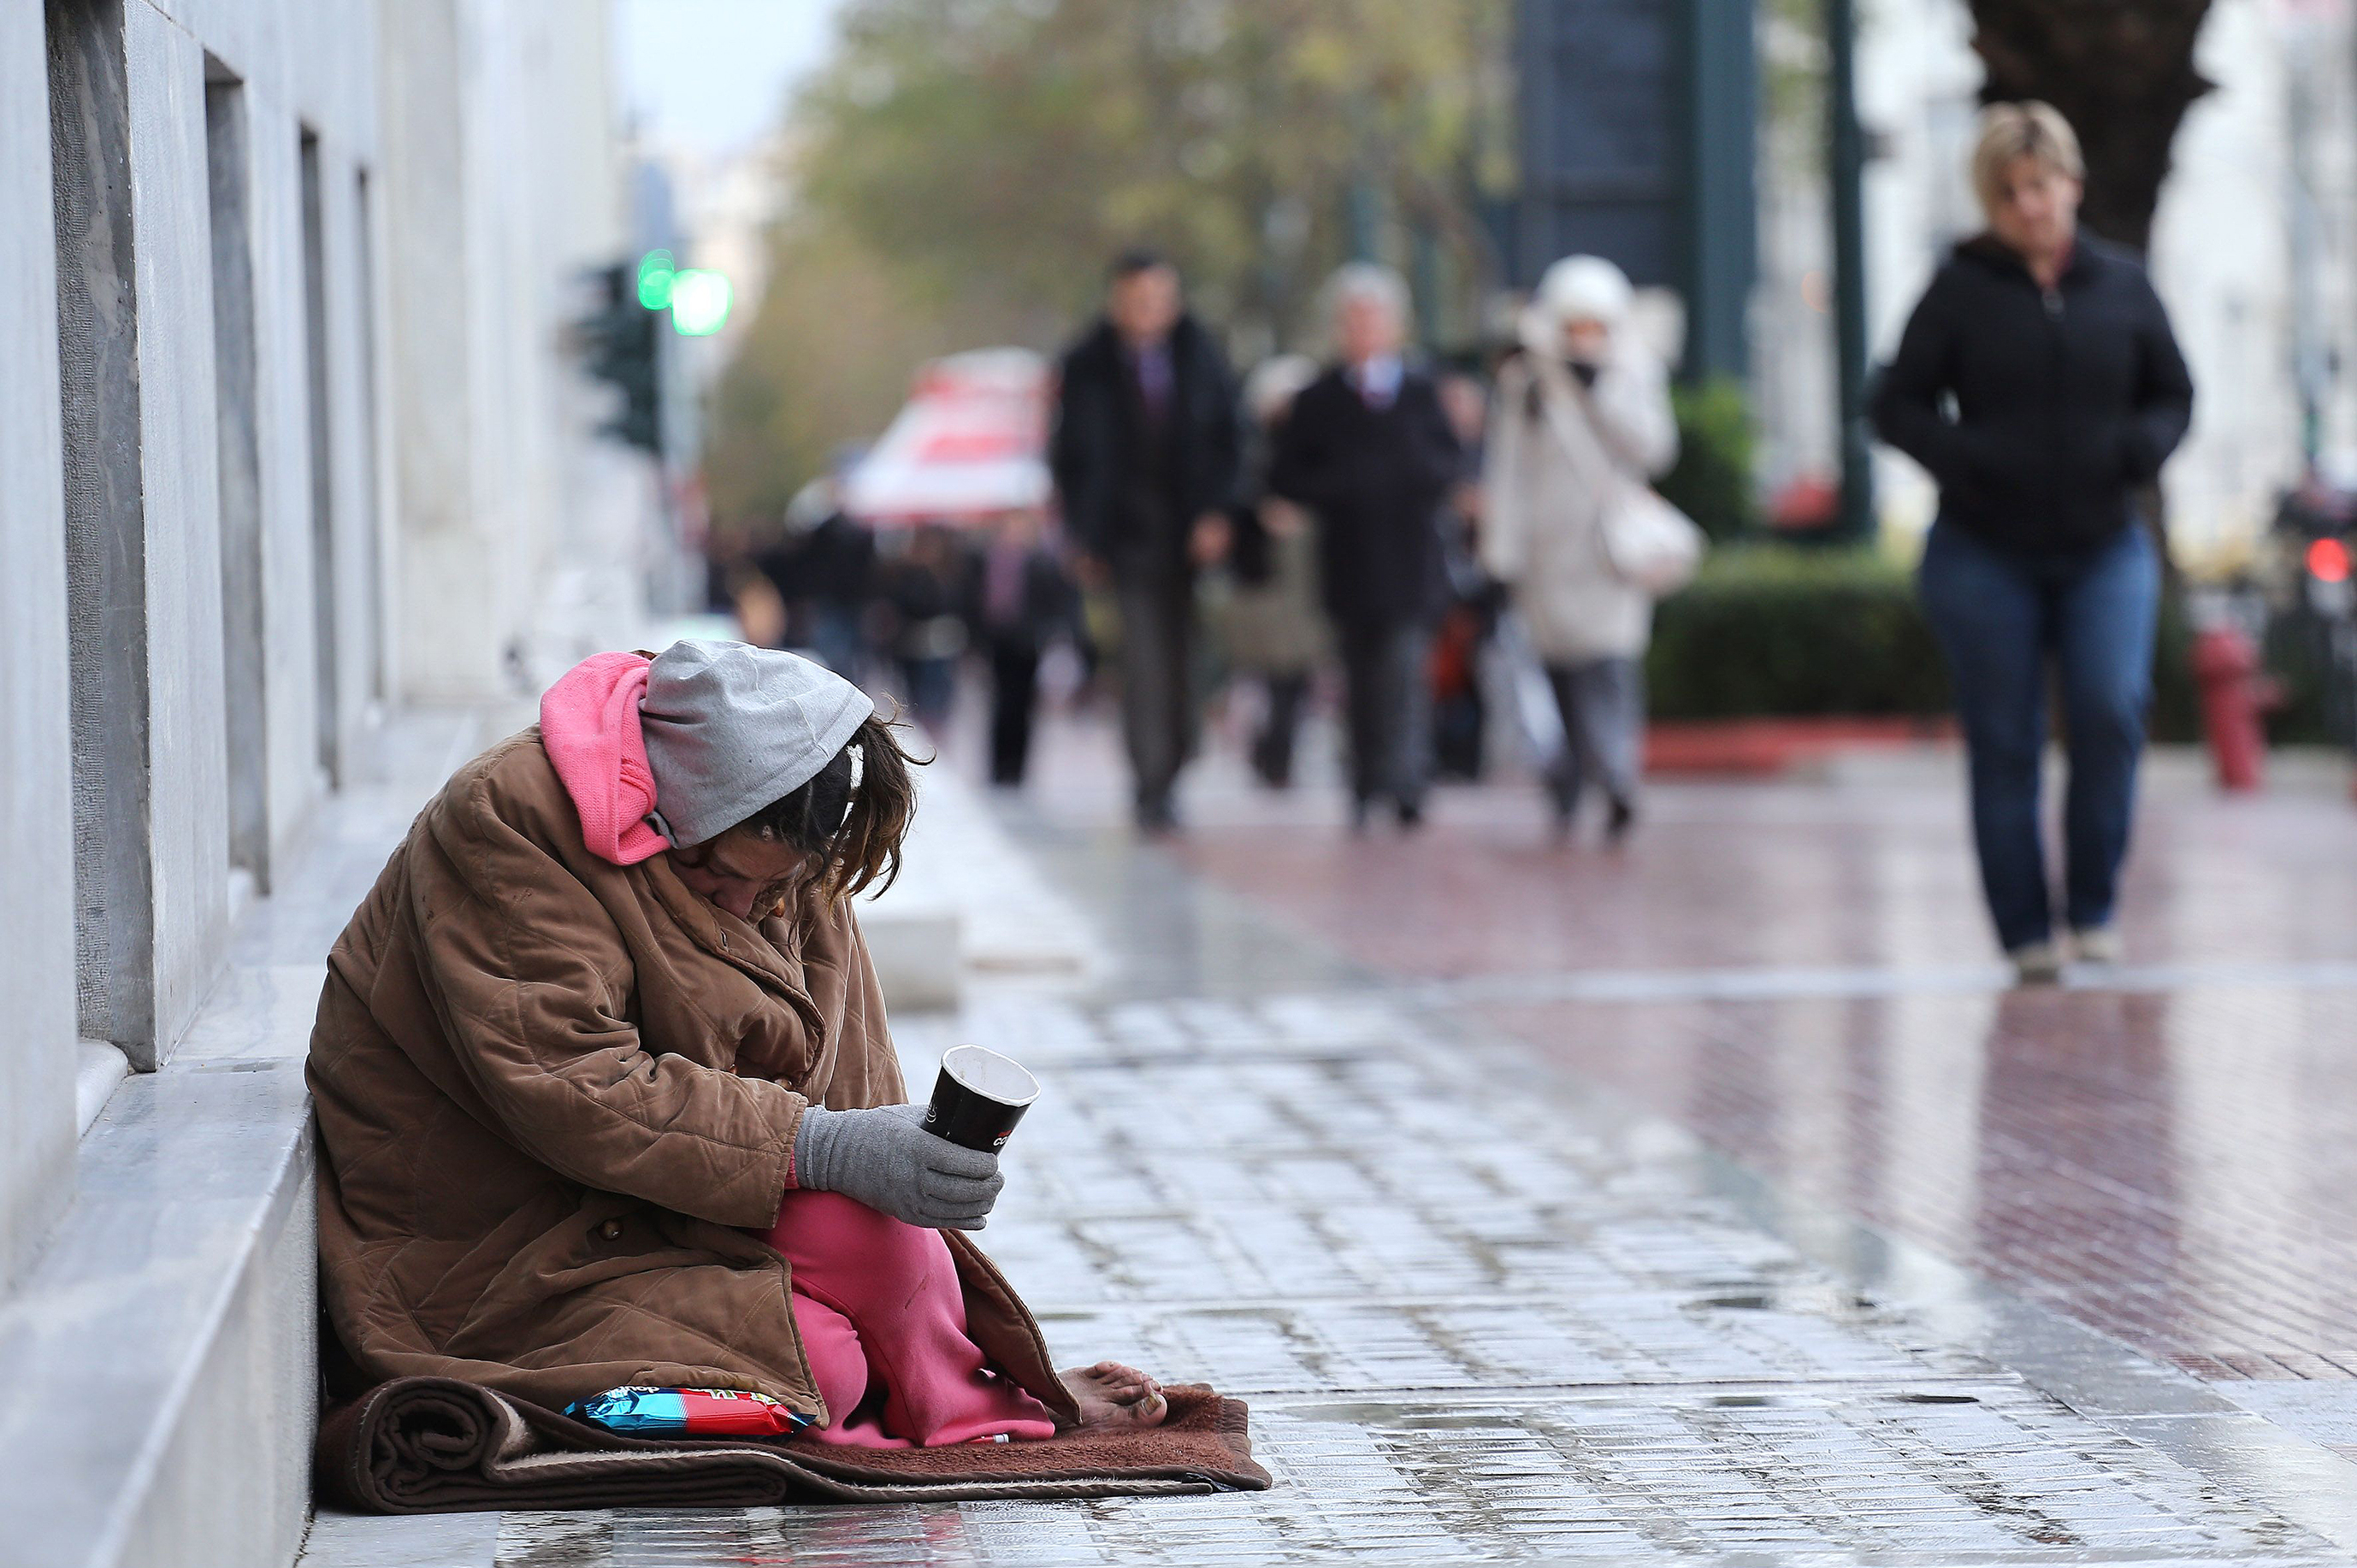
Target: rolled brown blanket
column 437, row 1445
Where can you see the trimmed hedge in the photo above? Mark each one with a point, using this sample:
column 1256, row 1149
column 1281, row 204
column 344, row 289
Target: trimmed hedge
column 1711, row 482
column 1772, row 630
column 1779, row 630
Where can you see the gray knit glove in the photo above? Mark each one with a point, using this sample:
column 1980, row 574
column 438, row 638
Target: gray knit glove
column 884, row 1159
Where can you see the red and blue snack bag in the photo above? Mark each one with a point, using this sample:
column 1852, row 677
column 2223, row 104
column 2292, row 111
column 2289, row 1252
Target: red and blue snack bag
column 687, row 1412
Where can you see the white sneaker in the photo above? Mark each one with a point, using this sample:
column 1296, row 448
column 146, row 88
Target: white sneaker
column 2036, row 963
column 2096, row 944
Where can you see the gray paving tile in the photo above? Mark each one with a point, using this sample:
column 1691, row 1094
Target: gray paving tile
column 1481, row 1322
column 366, row 1541
column 1969, row 1472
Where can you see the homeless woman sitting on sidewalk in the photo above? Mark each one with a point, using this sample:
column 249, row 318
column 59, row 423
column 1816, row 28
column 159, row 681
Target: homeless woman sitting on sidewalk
column 606, row 1095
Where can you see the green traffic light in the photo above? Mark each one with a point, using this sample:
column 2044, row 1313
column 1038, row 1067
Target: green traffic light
column 657, row 279
column 699, row 301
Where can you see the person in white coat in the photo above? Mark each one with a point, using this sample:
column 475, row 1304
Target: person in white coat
column 1581, row 416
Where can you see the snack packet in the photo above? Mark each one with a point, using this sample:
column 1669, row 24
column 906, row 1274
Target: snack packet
column 687, row 1412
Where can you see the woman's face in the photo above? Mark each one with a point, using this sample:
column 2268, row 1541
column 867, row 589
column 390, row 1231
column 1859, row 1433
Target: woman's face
column 740, row 872
column 2035, row 210
column 1585, row 338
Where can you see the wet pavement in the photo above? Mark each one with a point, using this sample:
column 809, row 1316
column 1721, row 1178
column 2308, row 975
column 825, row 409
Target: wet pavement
column 1529, row 1239
column 1800, row 974
column 2172, row 1168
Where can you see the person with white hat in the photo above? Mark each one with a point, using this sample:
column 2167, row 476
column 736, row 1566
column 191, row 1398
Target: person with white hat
column 1581, row 415
column 607, row 1097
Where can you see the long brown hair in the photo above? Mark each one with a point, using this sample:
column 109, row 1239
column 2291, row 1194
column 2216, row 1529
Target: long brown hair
column 855, row 832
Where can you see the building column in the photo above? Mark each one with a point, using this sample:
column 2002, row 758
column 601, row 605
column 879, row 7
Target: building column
column 37, row 918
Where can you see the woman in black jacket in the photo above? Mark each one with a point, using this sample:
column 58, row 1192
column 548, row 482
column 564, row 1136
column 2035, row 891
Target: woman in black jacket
column 2068, row 393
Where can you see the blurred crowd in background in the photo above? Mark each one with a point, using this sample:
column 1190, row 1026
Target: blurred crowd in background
column 1474, row 322
column 1303, row 538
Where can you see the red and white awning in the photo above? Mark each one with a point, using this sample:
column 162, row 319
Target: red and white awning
column 970, row 443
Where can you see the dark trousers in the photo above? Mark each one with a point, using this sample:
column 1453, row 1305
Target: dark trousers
column 1014, row 694
column 2000, row 615
column 1157, row 699
column 1603, row 706
column 1272, row 748
column 837, row 638
column 932, row 685
column 1387, row 707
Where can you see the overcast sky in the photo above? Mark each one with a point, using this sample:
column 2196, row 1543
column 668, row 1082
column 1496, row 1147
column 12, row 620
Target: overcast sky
column 711, row 75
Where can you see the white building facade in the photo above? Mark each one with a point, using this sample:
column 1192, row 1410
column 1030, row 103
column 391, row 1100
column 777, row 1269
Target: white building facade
column 289, row 440
column 2253, row 250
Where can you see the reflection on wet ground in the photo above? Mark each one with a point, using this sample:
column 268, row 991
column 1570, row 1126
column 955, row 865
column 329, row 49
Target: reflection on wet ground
column 1404, row 1141
column 1478, row 1322
column 1801, row 974
column 1769, row 876
column 2176, row 1169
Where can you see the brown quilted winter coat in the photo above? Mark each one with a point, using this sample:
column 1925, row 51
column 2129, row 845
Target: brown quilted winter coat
column 553, row 1095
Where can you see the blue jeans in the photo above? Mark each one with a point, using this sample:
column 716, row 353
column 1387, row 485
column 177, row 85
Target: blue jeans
column 1999, row 614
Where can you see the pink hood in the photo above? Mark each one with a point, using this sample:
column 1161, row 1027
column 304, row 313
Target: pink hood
column 589, row 727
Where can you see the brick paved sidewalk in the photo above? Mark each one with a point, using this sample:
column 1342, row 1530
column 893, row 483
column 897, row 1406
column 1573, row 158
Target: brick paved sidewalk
column 1801, row 975
column 1474, row 1324
column 1482, row 1313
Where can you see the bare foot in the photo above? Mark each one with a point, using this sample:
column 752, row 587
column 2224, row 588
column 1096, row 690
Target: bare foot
column 1112, row 1395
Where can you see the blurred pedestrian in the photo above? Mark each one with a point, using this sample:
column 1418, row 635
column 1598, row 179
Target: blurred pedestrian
column 1145, row 456
column 1274, row 632
column 1018, row 601
column 922, row 591
column 763, row 618
column 825, row 570
column 1459, row 710
column 2068, row 393
column 1581, row 422
column 1369, row 450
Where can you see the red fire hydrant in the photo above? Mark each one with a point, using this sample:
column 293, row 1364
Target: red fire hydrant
column 2235, row 692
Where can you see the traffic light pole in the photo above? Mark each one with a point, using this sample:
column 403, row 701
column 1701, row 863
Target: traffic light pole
column 1846, row 168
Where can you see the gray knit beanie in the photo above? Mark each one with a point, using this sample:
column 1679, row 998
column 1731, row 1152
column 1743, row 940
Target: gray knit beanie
column 730, row 728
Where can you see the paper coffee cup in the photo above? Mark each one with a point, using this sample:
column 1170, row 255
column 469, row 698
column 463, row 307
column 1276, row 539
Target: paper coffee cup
column 978, row 1098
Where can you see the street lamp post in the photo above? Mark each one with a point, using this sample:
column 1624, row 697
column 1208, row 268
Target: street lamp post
column 1846, row 160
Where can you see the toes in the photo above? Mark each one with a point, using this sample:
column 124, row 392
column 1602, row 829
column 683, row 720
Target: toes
column 1129, row 1397
column 1110, row 1376
column 1115, row 1378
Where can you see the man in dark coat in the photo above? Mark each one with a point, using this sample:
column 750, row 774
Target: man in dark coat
column 1144, row 458
column 1371, row 451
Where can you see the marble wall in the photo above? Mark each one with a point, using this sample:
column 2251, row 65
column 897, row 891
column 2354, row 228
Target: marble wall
column 467, row 165
column 409, row 459
column 521, row 544
column 36, row 920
